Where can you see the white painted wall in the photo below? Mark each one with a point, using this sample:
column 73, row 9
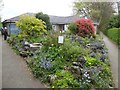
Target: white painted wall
column 66, row 27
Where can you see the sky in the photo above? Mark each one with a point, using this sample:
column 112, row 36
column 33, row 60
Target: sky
column 14, row 8
column 51, row 7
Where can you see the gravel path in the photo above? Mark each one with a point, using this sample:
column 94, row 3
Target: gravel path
column 15, row 73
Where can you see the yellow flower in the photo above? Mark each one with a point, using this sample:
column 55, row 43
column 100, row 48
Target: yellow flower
column 53, row 87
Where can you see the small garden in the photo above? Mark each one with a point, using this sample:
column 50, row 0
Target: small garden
column 81, row 61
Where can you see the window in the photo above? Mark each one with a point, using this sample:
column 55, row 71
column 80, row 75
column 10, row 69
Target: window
column 54, row 27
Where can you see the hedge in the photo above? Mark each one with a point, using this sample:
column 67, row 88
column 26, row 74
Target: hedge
column 113, row 34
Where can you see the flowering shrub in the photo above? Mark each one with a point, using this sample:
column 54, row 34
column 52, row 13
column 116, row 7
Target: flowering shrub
column 84, row 27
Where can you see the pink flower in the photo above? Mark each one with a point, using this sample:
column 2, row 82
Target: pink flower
column 85, row 25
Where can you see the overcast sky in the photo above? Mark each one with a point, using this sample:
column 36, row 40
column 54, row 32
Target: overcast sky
column 51, row 7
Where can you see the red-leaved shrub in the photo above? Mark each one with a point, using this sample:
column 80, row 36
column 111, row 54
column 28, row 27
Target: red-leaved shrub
column 85, row 27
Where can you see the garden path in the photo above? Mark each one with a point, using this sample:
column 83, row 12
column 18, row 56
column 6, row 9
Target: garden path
column 0, row 63
column 15, row 73
column 113, row 55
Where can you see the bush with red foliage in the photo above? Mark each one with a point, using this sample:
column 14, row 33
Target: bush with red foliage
column 85, row 27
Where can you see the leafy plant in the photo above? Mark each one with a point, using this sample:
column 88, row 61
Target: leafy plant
column 31, row 26
column 113, row 34
column 102, row 77
column 65, row 80
column 92, row 62
column 82, row 27
column 45, row 18
column 73, row 28
column 114, row 22
column 85, row 27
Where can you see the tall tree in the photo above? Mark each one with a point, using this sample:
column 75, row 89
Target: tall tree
column 45, row 18
column 98, row 11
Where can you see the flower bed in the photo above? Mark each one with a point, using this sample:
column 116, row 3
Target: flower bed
column 78, row 62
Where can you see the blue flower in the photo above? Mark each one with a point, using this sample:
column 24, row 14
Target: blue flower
column 45, row 63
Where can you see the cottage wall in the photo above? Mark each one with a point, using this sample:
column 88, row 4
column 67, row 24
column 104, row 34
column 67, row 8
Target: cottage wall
column 58, row 27
column 14, row 29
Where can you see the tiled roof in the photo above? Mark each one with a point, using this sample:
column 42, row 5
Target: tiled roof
column 14, row 19
column 62, row 20
column 53, row 19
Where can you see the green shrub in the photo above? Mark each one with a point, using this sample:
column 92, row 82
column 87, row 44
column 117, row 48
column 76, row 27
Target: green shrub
column 45, row 18
column 30, row 26
column 113, row 34
column 73, row 28
column 65, row 80
column 114, row 22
